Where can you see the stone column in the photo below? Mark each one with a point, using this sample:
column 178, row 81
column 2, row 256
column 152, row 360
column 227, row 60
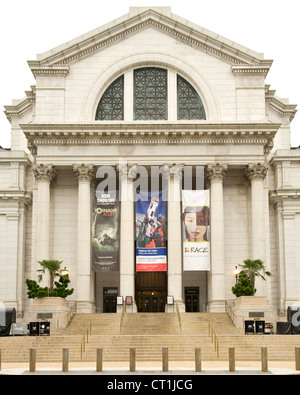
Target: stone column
column 85, row 294
column 216, row 173
column 44, row 175
column 256, row 174
column 127, row 235
column 174, row 237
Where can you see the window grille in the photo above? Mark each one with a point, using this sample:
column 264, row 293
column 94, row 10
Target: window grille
column 150, row 94
column 111, row 106
column 189, row 104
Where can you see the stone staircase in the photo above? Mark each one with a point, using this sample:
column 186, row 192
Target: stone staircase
column 149, row 333
column 150, row 324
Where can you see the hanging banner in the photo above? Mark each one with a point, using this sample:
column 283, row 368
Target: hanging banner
column 151, row 232
column 105, row 231
column 196, row 230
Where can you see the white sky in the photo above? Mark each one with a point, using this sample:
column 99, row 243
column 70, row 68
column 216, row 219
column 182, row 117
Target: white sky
column 36, row 26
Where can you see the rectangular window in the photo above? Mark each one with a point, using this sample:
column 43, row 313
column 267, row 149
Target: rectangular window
column 150, row 94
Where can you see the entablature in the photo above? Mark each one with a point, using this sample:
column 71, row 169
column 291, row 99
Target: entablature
column 152, row 133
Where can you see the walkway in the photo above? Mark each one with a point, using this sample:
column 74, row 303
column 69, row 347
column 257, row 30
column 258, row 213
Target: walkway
column 153, row 368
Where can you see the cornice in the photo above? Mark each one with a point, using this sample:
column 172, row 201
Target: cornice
column 280, row 106
column 44, row 71
column 283, row 194
column 16, row 195
column 151, row 133
column 246, row 70
column 23, row 106
column 190, row 34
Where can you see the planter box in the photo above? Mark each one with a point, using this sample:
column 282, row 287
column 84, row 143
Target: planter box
column 50, row 301
column 251, row 301
column 54, row 308
column 252, row 307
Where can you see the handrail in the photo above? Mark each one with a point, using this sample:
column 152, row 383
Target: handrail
column 179, row 318
column 232, row 315
column 214, row 338
column 122, row 317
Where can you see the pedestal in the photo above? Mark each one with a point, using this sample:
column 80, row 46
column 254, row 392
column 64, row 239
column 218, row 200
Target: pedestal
column 54, row 310
column 252, row 307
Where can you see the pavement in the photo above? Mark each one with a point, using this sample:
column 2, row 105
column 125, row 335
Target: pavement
column 152, row 368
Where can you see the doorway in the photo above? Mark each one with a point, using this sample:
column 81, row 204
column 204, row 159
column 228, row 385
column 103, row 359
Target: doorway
column 151, row 301
column 110, row 300
column 192, row 299
column 151, row 292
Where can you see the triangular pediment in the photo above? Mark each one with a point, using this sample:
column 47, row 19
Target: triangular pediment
column 59, row 59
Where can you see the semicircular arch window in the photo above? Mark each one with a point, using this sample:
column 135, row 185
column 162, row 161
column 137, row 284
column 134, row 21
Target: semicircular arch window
column 150, row 98
column 111, row 105
column 189, row 103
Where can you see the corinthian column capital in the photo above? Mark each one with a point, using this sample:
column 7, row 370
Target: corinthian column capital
column 216, row 171
column 257, row 171
column 84, row 172
column 43, row 172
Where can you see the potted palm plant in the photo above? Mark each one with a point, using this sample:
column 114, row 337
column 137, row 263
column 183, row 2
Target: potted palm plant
column 245, row 287
column 246, row 301
column 49, row 302
column 56, row 289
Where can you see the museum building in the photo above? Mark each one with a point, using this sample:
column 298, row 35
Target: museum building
column 152, row 159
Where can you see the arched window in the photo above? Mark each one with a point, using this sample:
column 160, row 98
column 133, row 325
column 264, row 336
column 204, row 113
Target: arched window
column 189, row 104
column 147, row 99
column 111, row 106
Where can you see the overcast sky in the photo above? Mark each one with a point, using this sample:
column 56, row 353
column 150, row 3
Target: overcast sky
column 36, row 26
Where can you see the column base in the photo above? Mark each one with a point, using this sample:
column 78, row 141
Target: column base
column 85, row 307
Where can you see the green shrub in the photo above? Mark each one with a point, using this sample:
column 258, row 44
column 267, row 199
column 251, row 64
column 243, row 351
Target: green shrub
column 60, row 289
column 244, row 286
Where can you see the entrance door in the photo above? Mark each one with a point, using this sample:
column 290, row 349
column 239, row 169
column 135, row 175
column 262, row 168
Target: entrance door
column 192, row 300
column 151, row 301
column 110, row 300
column 151, row 292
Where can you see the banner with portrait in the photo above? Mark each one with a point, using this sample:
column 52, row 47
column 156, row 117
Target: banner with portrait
column 151, row 231
column 196, row 230
column 105, row 231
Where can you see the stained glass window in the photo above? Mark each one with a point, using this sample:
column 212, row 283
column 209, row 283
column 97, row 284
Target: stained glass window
column 150, row 94
column 189, row 104
column 111, row 106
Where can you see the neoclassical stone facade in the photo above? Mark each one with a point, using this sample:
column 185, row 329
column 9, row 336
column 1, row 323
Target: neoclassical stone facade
column 148, row 94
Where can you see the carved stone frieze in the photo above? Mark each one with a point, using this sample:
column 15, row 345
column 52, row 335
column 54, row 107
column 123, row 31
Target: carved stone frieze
column 257, row 171
column 43, row 172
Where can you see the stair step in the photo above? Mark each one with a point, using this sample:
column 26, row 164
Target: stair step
column 149, row 333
